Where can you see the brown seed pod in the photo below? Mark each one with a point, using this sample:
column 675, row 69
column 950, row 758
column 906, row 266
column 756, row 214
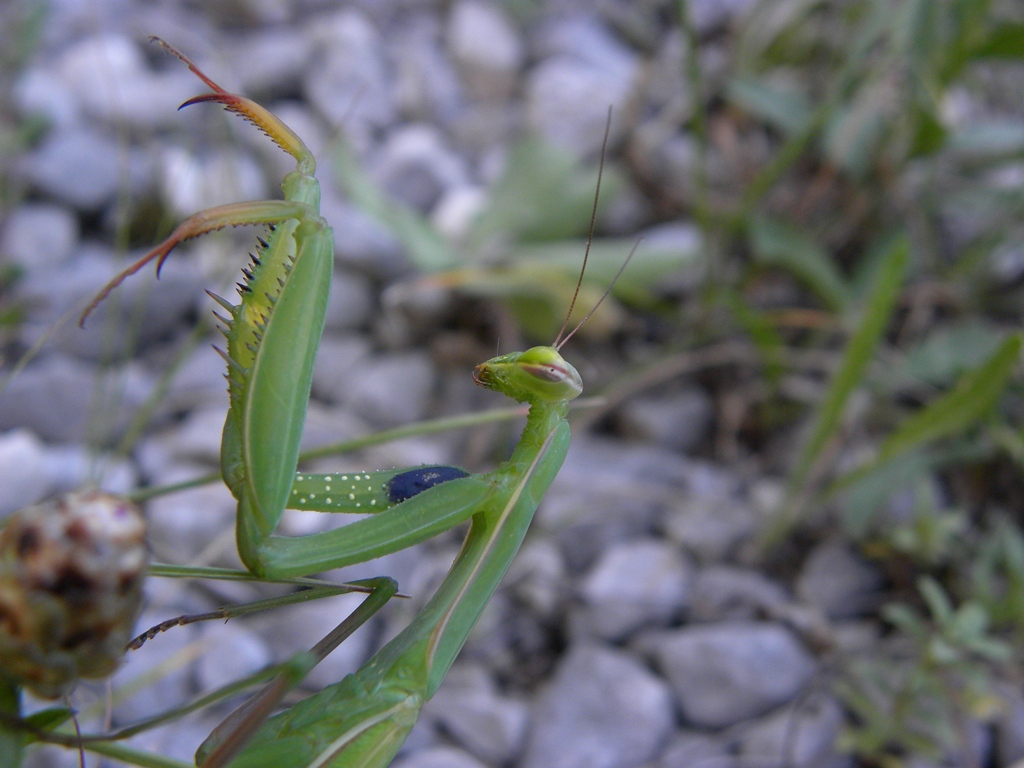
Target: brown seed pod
column 71, row 573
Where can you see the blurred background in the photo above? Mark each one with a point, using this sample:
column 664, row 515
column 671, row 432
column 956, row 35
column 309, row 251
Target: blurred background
column 788, row 533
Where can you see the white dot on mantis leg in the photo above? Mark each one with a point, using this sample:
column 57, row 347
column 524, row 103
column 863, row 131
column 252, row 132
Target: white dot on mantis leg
column 328, row 499
column 312, row 495
column 373, row 502
column 351, row 497
column 327, row 479
column 302, row 500
column 327, row 487
column 299, row 478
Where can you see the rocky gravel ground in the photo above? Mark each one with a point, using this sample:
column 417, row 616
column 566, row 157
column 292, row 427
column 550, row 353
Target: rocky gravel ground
column 635, row 628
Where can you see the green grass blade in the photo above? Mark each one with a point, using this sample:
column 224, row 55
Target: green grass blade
column 779, row 245
column 782, row 106
column 857, row 357
column 12, row 742
column 427, row 249
column 135, row 756
column 956, row 411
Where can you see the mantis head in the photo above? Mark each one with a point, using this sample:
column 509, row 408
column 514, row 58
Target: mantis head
column 539, row 374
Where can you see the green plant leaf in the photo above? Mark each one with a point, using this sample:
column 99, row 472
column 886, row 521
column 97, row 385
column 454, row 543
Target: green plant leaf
column 782, row 106
column 761, row 330
column 544, row 194
column 961, row 408
column 538, row 281
column 857, row 356
column 865, row 491
column 938, row 603
column 1005, row 41
column 988, row 140
column 777, row 244
column 426, row 247
column 946, row 354
column 854, row 133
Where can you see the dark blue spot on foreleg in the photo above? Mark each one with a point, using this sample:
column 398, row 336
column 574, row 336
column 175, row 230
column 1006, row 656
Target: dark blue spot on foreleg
column 407, row 484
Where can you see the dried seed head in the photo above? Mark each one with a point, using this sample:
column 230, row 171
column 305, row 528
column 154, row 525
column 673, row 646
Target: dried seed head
column 71, row 573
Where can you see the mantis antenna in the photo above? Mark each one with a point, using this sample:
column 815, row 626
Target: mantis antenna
column 559, row 339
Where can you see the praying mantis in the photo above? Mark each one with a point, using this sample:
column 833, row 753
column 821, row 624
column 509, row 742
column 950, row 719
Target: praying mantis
column 273, row 335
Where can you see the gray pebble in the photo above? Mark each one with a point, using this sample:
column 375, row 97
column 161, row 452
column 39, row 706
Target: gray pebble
column 456, row 210
column 350, row 84
column 567, row 102
column 1009, row 726
column 416, row 167
column 296, row 628
column 351, row 303
column 367, row 245
column 41, row 93
column 329, row 425
column 284, row 56
column 691, row 749
column 184, row 524
column 472, row 711
column 54, row 398
column 686, row 241
column 79, row 167
column 726, row 673
column 339, row 361
column 143, row 310
column 39, row 236
column 708, row 15
column 585, row 71
column 634, row 584
column 233, row 651
column 168, row 682
column 722, row 592
column 486, row 46
column 110, row 80
column 438, row 757
column 603, row 495
column 192, row 182
column 800, row 736
column 393, row 390
column 199, row 383
column 195, row 438
column 537, row 577
column 427, row 87
column 75, row 466
column 25, row 477
column 677, row 421
column 602, row 709
column 710, row 527
column 839, row 582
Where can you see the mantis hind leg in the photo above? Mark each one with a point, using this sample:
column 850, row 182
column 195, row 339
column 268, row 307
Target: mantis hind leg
column 228, row 738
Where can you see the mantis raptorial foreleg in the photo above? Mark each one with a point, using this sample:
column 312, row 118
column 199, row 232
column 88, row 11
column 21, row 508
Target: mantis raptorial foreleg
column 272, row 338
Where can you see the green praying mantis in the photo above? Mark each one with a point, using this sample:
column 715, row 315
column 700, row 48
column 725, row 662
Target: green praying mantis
column 273, row 335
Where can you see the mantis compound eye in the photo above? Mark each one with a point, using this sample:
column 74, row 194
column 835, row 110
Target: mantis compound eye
column 552, row 373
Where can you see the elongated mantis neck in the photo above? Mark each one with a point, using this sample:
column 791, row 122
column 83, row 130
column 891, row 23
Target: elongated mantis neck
column 540, row 423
